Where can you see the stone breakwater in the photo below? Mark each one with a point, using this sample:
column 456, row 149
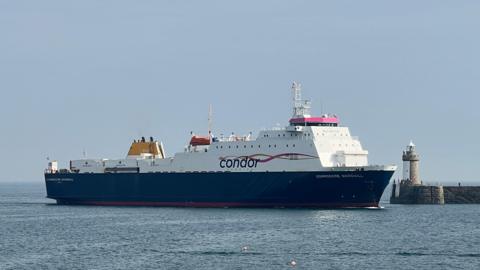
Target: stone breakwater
column 466, row 194
column 405, row 193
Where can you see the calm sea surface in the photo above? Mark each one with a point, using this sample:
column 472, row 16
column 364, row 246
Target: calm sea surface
column 36, row 234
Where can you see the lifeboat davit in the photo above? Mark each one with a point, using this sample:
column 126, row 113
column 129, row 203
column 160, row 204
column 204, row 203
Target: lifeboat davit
column 200, row 140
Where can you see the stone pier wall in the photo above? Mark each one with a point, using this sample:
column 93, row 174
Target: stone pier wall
column 417, row 194
column 462, row 194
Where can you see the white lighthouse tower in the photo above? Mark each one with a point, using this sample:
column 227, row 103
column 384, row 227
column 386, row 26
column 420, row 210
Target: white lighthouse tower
column 410, row 165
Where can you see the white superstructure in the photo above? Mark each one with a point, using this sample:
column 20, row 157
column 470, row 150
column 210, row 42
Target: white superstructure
column 306, row 144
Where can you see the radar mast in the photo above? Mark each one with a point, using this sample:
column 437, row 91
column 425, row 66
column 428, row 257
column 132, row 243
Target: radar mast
column 301, row 108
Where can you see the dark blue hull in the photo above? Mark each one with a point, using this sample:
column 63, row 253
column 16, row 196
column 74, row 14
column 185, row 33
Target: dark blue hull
column 228, row 189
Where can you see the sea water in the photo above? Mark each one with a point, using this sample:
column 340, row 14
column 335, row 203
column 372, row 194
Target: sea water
column 37, row 234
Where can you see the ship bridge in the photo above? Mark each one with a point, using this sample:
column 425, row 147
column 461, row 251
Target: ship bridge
column 324, row 120
column 301, row 112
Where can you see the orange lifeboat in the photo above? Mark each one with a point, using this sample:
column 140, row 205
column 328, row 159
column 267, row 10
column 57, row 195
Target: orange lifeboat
column 200, row 140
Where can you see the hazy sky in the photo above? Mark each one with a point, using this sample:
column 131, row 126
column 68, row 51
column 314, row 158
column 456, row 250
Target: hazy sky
column 95, row 75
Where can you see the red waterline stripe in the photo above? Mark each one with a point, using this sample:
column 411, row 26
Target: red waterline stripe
column 222, row 204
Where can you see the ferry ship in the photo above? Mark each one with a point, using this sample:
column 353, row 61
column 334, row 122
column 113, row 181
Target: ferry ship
column 312, row 162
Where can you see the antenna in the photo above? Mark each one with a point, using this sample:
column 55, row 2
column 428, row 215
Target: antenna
column 301, row 108
column 297, row 93
column 210, row 113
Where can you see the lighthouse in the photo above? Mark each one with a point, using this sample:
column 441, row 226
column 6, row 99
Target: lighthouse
column 410, row 165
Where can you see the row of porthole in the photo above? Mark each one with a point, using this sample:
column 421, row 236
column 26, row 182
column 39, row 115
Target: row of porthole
column 251, row 146
column 334, row 134
column 346, row 145
column 291, row 135
column 259, row 146
column 305, row 134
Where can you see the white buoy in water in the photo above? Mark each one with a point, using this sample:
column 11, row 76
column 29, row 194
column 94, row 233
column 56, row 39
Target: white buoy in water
column 292, row 263
column 245, row 249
